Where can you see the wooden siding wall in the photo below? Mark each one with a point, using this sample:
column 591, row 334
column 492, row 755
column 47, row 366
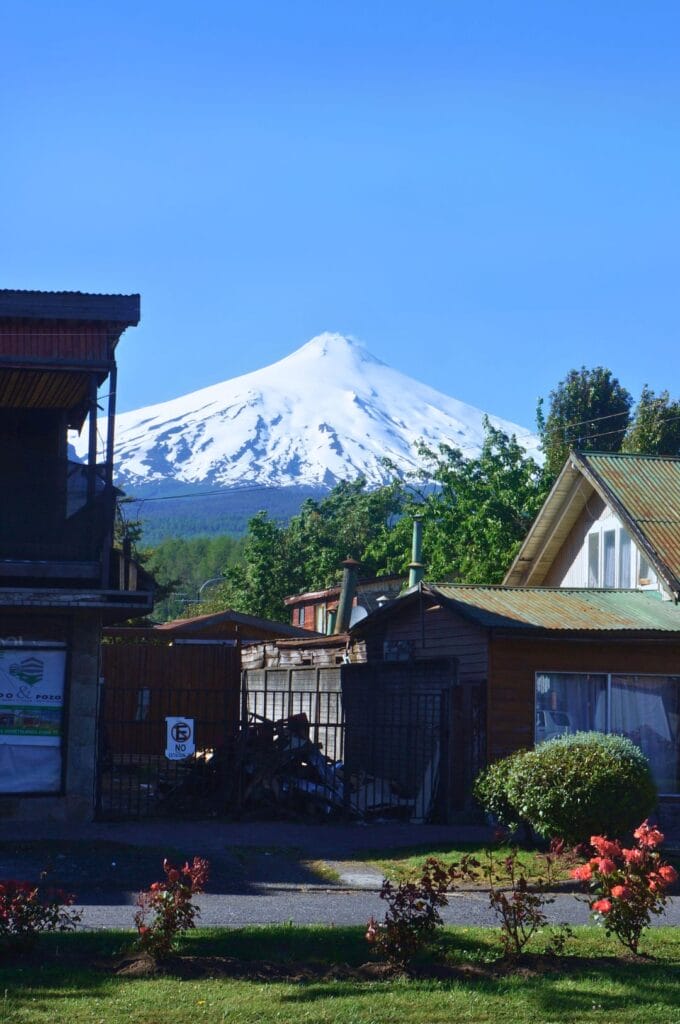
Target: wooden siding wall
column 78, row 341
column 298, row 654
column 205, row 682
column 435, row 632
column 514, row 662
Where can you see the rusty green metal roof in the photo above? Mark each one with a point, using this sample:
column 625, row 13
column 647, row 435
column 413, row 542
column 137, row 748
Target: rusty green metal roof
column 645, row 491
column 560, row 608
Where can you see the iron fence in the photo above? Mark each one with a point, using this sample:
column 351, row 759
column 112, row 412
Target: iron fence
column 347, row 750
column 135, row 779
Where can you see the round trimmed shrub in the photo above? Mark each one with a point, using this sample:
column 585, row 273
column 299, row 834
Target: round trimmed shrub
column 580, row 785
column 491, row 791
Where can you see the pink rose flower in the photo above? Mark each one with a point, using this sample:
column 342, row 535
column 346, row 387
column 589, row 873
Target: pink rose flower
column 668, row 874
column 605, row 847
column 647, row 836
column 602, row 906
column 582, row 873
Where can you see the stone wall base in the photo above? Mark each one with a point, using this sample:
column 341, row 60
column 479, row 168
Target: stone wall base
column 71, row 808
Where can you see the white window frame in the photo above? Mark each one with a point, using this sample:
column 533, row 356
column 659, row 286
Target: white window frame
column 600, row 529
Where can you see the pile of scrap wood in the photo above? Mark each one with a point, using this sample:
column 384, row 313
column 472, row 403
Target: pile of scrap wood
column 283, row 772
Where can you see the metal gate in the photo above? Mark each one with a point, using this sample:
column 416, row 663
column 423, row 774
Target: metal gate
column 143, row 685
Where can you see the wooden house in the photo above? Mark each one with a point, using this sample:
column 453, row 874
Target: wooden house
column 60, row 576
column 316, row 609
column 585, row 632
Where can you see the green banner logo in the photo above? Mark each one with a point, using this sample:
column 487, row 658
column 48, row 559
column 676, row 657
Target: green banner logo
column 30, row 670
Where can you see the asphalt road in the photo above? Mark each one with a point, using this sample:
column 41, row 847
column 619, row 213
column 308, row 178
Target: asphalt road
column 320, row 906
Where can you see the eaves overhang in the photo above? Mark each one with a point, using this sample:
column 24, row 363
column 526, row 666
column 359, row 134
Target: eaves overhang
column 559, row 513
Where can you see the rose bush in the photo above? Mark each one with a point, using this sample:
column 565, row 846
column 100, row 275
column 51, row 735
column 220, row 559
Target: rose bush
column 166, row 908
column 412, row 914
column 628, row 885
column 27, row 909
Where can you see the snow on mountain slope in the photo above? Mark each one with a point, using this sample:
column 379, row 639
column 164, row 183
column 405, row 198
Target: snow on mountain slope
column 327, row 412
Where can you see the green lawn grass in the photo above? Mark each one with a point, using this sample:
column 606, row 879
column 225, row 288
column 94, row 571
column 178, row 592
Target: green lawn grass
column 602, row 990
column 405, row 864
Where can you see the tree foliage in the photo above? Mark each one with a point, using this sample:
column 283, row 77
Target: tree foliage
column 181, row 566
column 279, row 560
column 477, row 510
column 655, row 428
column 589, row 411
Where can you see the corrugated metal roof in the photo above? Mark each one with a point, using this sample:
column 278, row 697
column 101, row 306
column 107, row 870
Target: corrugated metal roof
column 197, row 622
column 69, row 306
column 561, row 608
column 647, row 489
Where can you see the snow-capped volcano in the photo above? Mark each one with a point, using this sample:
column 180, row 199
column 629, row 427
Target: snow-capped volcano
column 327, row 412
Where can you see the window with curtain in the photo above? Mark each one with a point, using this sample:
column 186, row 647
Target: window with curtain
column 567, row 702
column 646, row 709
column 646, row 574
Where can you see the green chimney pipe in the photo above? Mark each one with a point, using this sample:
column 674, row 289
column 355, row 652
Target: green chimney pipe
column 416, row 569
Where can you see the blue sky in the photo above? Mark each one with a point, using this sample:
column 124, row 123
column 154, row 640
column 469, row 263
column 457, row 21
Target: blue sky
column 487, row 194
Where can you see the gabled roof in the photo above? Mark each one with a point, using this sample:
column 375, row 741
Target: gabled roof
column 540, row 609
column 642, row 490
column 197, row 623
column 561, row 608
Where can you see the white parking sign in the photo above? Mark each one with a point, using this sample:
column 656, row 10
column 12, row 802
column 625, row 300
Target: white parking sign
column 179, row 741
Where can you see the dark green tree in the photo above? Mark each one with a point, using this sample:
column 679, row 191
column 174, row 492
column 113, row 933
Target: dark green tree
column 655, row 427
column 269, row 571
column 479, row 511
column 589, row 411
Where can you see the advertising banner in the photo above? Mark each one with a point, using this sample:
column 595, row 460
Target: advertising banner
column 31, row 695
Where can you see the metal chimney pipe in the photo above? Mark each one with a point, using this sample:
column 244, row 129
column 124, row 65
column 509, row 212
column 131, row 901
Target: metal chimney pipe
column 416, row 569
column 350, row 573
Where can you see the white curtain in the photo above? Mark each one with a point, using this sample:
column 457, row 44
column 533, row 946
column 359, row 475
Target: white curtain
column 646, row 709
